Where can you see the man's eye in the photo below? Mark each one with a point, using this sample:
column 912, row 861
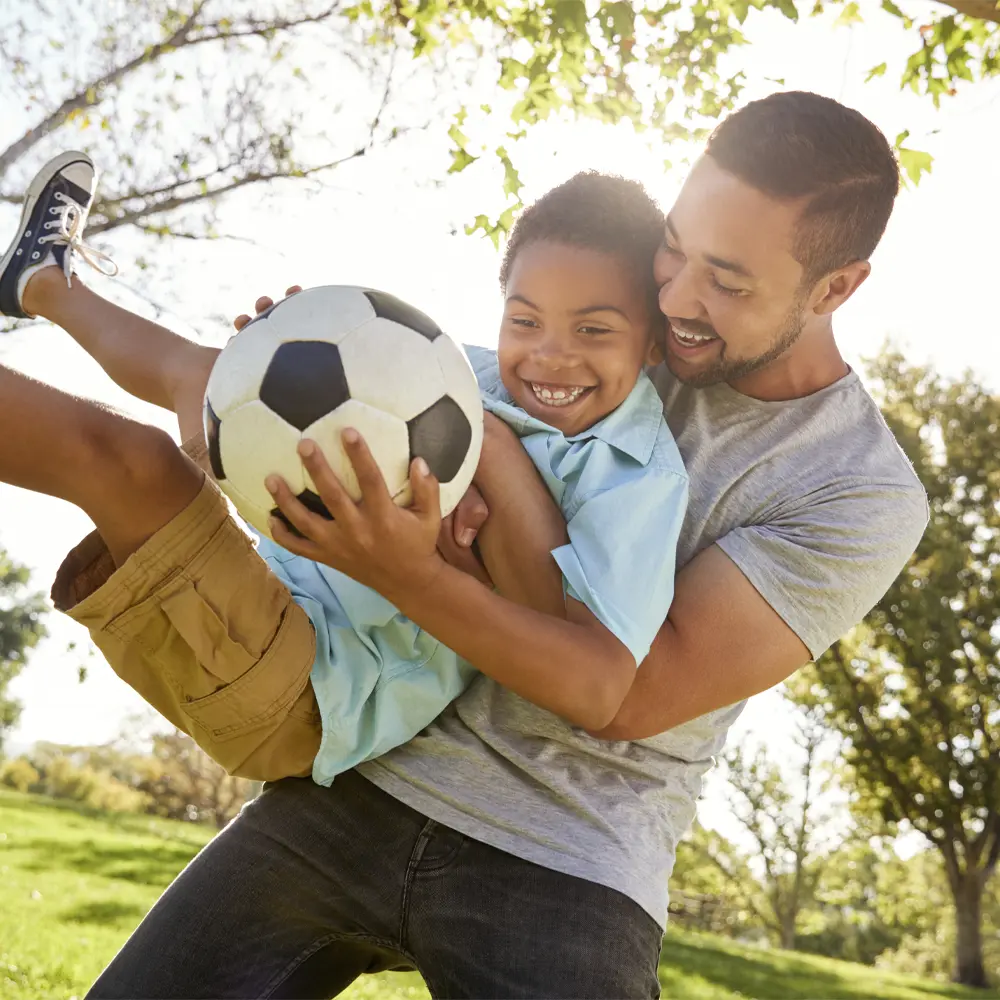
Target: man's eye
column 522, row 321
column 725, row 289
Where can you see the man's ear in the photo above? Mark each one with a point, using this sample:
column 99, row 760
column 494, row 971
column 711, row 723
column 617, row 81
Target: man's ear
column 832, row 291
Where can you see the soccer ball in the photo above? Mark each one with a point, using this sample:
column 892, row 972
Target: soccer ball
column 326, row 359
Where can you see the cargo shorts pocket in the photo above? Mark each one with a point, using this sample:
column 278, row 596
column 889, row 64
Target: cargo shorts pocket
column 263, row 694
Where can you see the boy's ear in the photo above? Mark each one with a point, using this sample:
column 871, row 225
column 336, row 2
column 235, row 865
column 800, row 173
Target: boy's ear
column 657, row 346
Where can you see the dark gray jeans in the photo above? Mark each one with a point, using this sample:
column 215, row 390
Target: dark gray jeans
column 310, row 887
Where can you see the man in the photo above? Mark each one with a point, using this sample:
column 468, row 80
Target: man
column 503, row 852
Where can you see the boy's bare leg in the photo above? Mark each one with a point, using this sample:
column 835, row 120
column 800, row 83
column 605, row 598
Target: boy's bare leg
column 145, row 359
column 131, row 479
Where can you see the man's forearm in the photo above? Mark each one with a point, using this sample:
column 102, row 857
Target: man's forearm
column 523, row 527
column 575, row 668
column 721, row 643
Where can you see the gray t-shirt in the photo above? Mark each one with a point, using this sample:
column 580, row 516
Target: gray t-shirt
column 817, row 505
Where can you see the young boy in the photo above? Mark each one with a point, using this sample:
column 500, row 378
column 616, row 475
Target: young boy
column 225, row 640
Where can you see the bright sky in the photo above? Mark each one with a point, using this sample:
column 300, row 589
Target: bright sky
column 933, row 286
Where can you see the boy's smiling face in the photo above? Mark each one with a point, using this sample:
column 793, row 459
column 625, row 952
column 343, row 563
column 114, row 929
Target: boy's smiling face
column 576, row 333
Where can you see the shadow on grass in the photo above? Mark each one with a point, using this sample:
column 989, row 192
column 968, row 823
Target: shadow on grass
column 106, row 911
column 155, row 865
column 776, row 976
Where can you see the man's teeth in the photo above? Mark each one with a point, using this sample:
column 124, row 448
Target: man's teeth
column 561, row 395
column 691, row 339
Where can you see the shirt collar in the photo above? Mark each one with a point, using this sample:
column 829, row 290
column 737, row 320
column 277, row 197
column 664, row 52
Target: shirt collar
column 632, row 428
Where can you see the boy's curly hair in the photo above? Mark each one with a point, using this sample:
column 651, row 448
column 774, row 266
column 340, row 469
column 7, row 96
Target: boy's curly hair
column 595, row 211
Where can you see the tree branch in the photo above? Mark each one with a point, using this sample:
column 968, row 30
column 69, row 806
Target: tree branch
column 90, row 93
column 982, row 10
column 169, row 204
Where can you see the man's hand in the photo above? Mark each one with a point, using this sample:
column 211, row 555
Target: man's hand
column 388, row 548
column 264, row 302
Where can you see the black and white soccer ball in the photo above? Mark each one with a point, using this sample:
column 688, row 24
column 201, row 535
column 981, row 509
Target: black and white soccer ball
column 334, row 357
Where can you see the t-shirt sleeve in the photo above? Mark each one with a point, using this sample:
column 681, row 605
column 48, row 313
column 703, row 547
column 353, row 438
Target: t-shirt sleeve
column 825, row 566
column 622, row 554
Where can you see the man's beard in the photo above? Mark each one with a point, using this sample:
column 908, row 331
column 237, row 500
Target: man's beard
column 724, row 370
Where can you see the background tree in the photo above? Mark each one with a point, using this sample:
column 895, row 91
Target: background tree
column 781, row 812
column 184, row 783
column 22, row 614
column 915, row 690
column 712, row 887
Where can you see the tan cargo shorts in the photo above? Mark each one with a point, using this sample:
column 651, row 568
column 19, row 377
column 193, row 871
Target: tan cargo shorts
column 200, row 627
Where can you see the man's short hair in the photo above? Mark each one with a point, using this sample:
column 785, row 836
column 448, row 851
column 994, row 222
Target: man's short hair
column 797, row 145
column 594, row 211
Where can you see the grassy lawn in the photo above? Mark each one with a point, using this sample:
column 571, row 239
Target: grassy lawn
column 73, row 885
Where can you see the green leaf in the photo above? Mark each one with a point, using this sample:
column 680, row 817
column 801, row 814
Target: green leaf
column 460, row 159
column 914, row 163
column 875, row 71
column 512, row 183
column 851, row 14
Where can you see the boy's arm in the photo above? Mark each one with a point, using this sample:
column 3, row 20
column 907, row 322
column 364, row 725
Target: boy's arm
column 523, row 526
column 575, row 667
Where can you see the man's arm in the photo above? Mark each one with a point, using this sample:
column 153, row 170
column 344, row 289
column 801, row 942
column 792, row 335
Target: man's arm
column 721, row 643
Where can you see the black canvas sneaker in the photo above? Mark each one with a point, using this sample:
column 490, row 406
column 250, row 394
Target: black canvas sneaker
column 53, row 218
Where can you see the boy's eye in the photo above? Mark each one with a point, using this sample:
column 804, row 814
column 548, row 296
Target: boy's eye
column 591, row 330
column 522, row 321
column 667, row 248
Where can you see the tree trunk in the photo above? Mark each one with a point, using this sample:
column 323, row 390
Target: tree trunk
column 968, row 892
column 788, row 932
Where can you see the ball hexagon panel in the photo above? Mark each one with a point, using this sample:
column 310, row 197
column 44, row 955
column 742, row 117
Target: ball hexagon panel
column 304, row 381
column 254, row 443
column 390, row 367
column 441, row 436
column 329, row 312
column 389, row 307
column 238, row 371
column 310, row 501
column 385, row 435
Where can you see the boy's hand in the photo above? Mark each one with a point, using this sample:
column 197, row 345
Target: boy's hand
column 264, row 302
column 388, row 548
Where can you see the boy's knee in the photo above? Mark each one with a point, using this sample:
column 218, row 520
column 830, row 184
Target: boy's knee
column 133, row 479
column 129, row 458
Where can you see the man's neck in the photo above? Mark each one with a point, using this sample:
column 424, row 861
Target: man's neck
column 812, row 363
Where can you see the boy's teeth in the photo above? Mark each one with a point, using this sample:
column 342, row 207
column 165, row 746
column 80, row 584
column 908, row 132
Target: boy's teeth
column 558, row 396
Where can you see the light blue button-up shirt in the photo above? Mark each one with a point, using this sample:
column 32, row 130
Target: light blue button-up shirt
column 379, row 678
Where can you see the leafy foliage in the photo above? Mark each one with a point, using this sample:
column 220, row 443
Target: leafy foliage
column 22, row 627
column 185, row 103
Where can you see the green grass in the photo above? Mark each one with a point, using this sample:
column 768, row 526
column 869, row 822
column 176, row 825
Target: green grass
column 73, row 884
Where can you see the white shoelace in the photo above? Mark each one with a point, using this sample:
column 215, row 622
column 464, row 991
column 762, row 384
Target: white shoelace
column 70, row 225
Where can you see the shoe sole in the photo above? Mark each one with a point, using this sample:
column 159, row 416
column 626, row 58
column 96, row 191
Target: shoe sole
column 34, row 192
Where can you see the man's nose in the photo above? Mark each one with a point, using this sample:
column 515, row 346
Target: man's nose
column 679, row 295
